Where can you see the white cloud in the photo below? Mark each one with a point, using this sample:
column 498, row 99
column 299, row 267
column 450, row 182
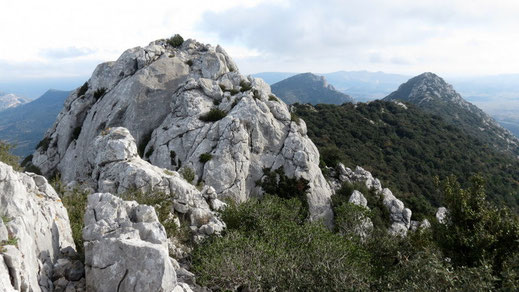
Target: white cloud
column 53, row 37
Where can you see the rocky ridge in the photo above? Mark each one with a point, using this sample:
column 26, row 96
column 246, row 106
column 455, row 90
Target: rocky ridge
column 180, row 104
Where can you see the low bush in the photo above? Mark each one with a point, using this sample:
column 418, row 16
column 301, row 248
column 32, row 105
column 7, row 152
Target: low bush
column 175, row 41
column 44, row 144
column 270, row 246
column 215, row 114
column 204, row 157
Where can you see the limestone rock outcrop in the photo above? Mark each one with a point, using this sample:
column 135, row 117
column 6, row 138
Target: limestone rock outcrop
column 187, row 108
column 399, row 215
column 34, row 232
column 125, row 247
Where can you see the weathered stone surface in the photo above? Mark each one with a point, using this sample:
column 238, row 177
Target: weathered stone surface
column 358, row 198
column 39, row 223
column 399, row 215
column 125, row 247
column 441, row 215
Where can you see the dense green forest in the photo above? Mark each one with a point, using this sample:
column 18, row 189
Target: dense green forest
column 407, row 148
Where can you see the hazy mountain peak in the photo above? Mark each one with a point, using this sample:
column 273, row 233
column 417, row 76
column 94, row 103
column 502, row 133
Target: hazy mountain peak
column 309, row 88
column 11, row 101
column 427, row 87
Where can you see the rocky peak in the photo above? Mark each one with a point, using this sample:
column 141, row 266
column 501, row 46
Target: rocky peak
column 424, row 88
column 431, row 93
column 187, row 109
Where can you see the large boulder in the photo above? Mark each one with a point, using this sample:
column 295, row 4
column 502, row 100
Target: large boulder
column 125, row 247
column 34, row 229
column 182, row 104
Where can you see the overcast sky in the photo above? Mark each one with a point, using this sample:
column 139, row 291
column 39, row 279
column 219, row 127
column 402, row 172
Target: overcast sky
column 63, row 38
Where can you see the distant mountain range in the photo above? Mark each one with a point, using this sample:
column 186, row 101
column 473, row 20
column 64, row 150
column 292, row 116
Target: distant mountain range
column 11, row 101
column 432, row 94
column 25, row 125
column 308, row 88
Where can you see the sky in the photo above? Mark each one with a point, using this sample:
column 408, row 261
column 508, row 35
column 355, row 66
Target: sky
column 67, row 39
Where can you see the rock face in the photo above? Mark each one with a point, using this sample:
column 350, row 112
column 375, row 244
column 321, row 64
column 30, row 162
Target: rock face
column 125, row 247
column 181, row 104
column 399, row 215
column 34, row 229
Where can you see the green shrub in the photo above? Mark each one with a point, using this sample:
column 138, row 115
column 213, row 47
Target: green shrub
column 8, row 158
column 204, row 157
column 273, row 98
column 234, row 91
column 245, row 86
column 175, row 41
column 82, row 90
column 44, row 144
column 213, row 115
column 188, row 174
column 269, row 246
column 294, row 118
column 100, row 92
column 475, row 230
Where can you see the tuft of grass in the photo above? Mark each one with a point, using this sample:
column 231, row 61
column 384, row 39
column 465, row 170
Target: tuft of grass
column 188, row 174
column 273, row 98
column 7, row 157
column 295, row 118
column 213, row 115
column 204, row 157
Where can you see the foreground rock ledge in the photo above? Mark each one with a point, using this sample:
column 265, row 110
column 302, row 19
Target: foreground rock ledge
column 35, row 221
column 125, row 247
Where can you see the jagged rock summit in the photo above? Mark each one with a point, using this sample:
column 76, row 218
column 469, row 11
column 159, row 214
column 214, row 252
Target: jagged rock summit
column 189, row 110
column 309, row 88
column 431, row 93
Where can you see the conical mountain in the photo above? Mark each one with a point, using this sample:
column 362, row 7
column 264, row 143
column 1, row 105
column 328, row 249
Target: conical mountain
column 309, row 88
column 431, row 93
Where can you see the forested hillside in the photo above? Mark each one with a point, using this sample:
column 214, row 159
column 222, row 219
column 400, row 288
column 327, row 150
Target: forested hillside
column 407, row 148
